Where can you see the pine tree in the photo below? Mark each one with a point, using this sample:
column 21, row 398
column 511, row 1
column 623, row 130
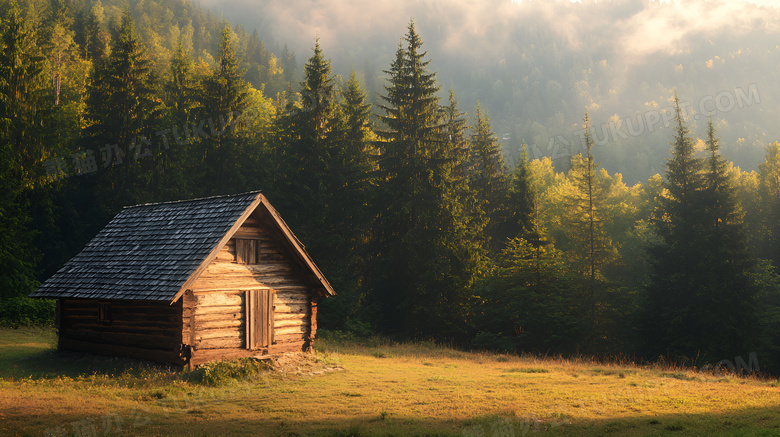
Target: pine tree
column 175, row 160
column 490, row 178
column 90, row 35
column 181, row 87
column 306, row 147
column 591, row 244
column 356, row 156
column 769, row 180
column 726, row 312
column 463, row 170
column 122, row 107
column 18, row 256
column 22, row 82
column 349, row 182
column 60, row 53
column 225, row 90
column 527, row 300
column 21, row 77
column 456, row 137
column 700, row 296
column 357, row 111
column 352, row 168
column 223, row 101
column 673, row 279
column 426, row 252
column 487, row 178
column 522, row 205
column 289, row 64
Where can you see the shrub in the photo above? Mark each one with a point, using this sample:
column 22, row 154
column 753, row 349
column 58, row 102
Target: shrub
column 25, row 311
column 492, row 342
column 221, row 372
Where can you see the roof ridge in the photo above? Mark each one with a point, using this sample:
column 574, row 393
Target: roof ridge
column 192, row 200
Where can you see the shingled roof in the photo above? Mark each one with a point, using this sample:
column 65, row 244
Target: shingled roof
column 152, row 251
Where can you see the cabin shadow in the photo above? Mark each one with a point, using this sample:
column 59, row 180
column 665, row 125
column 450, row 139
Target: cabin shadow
column 52, row 364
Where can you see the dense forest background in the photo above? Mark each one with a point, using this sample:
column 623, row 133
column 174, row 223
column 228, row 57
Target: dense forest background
column 538, row 64
column 427, row 222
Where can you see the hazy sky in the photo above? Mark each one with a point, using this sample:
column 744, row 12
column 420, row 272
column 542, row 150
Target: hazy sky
column 635, row 28
column 612, row 57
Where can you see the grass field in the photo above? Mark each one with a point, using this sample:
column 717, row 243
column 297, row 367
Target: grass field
column 383, row 389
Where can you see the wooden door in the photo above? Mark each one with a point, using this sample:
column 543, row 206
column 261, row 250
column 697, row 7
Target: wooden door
column 259, row 318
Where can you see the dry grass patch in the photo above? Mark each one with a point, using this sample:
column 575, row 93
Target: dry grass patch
column 385, row 388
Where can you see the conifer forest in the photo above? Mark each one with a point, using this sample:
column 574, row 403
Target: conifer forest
column 427, row 181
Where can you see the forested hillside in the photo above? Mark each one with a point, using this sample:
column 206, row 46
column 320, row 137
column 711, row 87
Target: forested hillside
column 417, row 217
column 538, row 65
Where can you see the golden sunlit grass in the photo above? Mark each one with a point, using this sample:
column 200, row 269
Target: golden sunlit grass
column 385, row 389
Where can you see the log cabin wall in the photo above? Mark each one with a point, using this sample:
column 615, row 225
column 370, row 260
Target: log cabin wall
column 214, row 308
column 139, row 329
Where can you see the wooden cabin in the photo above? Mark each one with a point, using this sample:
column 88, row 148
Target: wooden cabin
column 190, row 282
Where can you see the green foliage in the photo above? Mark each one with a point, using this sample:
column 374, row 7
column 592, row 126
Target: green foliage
column 769, row 210
column 519, row 216
column 20, row 82
column 402, row 210
column 493, row 342
column 25, row 311
column 221, row 373
column 427, row 249
column 529, row 298
column 701, row 297
column 487, row 177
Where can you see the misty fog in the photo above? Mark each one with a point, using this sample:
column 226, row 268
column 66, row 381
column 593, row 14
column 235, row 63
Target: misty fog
column 538, row 66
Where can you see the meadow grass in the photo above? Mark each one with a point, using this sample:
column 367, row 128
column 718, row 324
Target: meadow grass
column 386, row 388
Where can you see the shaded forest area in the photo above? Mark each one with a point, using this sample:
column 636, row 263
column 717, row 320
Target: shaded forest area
column 406, row 205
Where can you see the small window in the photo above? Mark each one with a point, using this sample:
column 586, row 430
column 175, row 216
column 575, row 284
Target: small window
column 104, row 313
column 246, row 251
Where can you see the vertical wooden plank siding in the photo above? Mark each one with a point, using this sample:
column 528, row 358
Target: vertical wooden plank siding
column 250, row 323
column 270, row 314
column 259, row 314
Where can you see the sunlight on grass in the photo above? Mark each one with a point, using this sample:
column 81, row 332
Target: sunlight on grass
column 386, row 388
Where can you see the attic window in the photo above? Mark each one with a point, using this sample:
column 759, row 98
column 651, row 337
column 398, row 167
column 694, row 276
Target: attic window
column 246, row 251
column 104, row 313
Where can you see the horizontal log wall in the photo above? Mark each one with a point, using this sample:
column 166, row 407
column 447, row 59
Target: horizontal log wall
column 147, row 330
column 214, row 312
column 218, row 320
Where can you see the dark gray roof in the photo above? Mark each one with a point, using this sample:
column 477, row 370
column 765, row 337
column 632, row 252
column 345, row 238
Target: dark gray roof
column 147, row 252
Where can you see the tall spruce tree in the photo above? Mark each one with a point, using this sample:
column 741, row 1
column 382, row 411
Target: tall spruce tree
column 769, row 192
column 122, row 106
column 22, row 81
column 354, row 156
column 427, row 254
column 308, row 135
column 727, row 311
column 349, row 182
column 175, row 161
column 521, row 204
column 591, row 244
column 463, row 174
column 487, row 178
column 21, row 78
column 92, row 39
column 701, row 299
column 456, row 136
column 675, row 261
column 222, row 104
